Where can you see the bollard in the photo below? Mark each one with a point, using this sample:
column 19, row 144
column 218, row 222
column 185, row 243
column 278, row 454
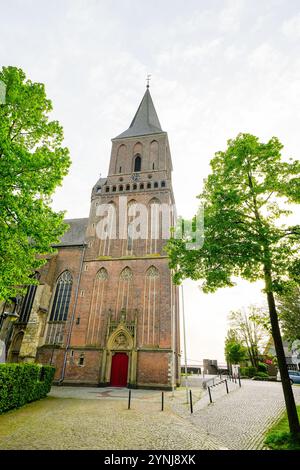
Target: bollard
column 191, row 401
column 240, row 381
column 129, row 399
column 226, row 386
column 209, row 394
column 162, row 401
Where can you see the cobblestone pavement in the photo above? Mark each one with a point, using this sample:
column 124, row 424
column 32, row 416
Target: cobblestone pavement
column 240, row 419
column 76, row 423
column 98, row 418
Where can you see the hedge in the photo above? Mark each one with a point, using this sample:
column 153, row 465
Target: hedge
column 248, row 371
column 23, row 383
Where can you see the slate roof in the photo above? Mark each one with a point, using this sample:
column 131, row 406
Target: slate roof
column 145, row 120
column 76, row 234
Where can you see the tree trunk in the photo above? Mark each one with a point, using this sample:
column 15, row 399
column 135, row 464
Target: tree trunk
column 285, row 380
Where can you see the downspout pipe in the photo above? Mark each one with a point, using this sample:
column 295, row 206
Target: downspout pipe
column 72, row 317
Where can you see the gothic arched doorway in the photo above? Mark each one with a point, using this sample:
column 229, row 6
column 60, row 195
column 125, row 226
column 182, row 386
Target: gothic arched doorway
column 119, row 370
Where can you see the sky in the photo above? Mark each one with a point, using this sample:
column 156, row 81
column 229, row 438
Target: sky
column 217, row 68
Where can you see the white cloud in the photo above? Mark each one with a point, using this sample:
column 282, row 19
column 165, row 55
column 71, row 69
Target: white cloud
column 291, row 27
column 229, row 18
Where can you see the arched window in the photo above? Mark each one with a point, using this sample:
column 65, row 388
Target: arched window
column 60, row 307
column 102, row 275
column 142, row 186
column 156, row 184
column 27, row 301
column 121, row 187
column 97, row 307
column 163, row 184
column 124, row 292
column 154, row 225
column 130, row 226
column 151, row 307
column 137, row 163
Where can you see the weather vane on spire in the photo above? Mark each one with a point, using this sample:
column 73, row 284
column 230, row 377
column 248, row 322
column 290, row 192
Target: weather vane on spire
column 148, row 80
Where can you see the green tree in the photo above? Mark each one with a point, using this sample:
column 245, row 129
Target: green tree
column 33, row 163
column 250, row 332
column 245, row 199
column 289, row 314
column 235, row 352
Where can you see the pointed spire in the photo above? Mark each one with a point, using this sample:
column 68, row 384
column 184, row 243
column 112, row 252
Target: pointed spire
column 145, row 120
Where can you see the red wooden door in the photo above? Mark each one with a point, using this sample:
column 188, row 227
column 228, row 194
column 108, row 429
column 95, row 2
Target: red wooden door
column 119, row 370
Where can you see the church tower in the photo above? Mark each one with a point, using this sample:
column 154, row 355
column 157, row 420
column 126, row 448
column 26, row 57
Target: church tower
column 113, row 314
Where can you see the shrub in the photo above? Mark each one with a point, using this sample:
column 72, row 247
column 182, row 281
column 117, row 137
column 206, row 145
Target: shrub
column 262, row 367
column 23, row 383
column 261, row 375
column 247, row 371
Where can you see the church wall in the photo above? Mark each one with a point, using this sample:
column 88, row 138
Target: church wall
column 124, row 286
column 153, row 369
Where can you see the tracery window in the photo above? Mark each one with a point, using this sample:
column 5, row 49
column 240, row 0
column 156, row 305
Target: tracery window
column 61, row 302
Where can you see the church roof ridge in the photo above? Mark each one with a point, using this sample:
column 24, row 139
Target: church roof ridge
column 145, row 120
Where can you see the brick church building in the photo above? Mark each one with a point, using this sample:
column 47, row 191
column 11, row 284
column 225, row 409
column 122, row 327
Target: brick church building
column 105, row 311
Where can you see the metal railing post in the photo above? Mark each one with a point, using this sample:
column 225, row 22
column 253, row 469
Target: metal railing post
column 226, row 386
column 191, row 401
column 129, row 399
column 209, row 393
column 162, row 401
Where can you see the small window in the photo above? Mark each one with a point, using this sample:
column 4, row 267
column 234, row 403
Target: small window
column 149, row 185
column 127, row 187
column 163, row 184
column 98, row 189
column 82, row 293
column 142, row 186
column 120, row 169
column 121, row 187
column 137, row 163
column 78, row 321
column 121, row 179
column 153, row 166
column 114, row 189
column 134, row 186
column 156, row 184
column 107, row 189
column 86, row 267
column 81, row 360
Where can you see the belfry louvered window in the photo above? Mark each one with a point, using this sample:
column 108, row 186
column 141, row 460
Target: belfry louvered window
column 137, row 163
column 61, row 302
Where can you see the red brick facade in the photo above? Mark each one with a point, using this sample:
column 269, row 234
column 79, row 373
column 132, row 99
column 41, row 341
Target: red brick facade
column 121, row 294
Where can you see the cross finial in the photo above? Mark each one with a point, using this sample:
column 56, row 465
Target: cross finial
column 148, row 80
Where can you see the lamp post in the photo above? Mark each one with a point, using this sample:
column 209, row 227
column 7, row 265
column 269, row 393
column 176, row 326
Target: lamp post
column 184, row 343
